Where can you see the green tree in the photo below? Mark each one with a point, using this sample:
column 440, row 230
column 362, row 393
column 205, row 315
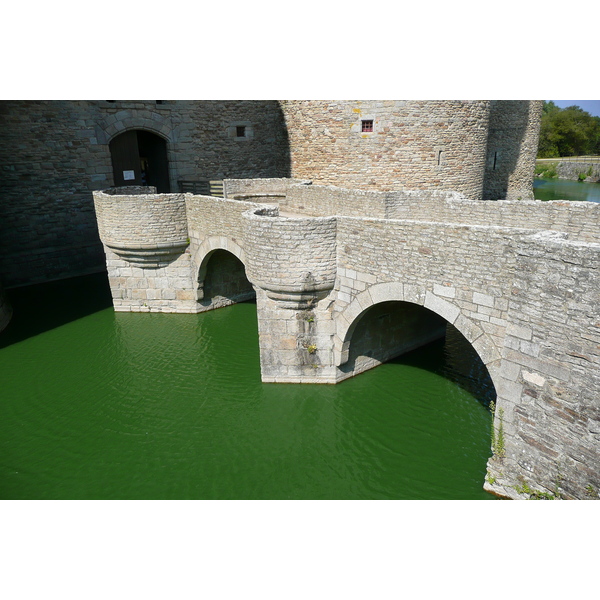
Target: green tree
column 568, row 131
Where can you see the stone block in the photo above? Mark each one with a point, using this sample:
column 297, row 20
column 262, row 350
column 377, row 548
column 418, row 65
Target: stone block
column 441, row 307
column 519, row 331
column 443, row 290
column 483, row 299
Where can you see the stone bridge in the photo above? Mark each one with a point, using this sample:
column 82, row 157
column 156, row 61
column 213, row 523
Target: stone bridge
column 346, row 279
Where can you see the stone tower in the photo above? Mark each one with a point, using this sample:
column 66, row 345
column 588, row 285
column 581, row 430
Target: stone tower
column 482, row 149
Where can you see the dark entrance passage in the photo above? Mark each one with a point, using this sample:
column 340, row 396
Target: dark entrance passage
column 140, row 158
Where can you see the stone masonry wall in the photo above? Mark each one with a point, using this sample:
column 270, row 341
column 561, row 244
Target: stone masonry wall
column 320, row 200
column 53, row 154
column 292, row 258
column 414, row 144
column 580, row 219
column 259, row 190
column 567, row 169
column 146, row 242
column 50, row 161
column 142, row 219
column 435, row 266
column 210, row 217
column 551, row 356
column 216, row 224
column 527, row 302
column 168, row 288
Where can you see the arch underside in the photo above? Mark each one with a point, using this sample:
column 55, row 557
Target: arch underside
column 390, row 319
column 221, row 275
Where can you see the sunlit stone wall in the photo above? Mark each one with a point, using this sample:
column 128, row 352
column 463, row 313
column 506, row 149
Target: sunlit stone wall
column 414, row 144
column 589, row 171
column 551, row 358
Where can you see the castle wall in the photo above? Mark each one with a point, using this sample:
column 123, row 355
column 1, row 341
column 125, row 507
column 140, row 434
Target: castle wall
column 294, row 259
column 54, row 154
column 579, row 219
column 320, row 201
column 215, row 224
column 145, row 237
column 272, row 190
column 526, row 302
column 50, row 160
column 414, row 144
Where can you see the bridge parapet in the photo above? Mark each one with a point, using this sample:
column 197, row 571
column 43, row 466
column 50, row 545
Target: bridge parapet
column 581, row 220
column 140, row 226
column 272, row 190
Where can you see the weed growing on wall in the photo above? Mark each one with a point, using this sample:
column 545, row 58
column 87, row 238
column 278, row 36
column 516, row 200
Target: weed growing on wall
column 498, row 446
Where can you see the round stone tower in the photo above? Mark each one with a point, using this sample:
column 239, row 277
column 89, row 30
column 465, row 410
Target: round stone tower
column 513, row 140
column 413, row 144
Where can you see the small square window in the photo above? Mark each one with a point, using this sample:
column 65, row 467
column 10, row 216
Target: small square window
column 240, row 131
column 367, row 126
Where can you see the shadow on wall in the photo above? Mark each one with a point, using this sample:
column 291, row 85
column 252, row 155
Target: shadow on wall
column 283, row 159
column 508, row 126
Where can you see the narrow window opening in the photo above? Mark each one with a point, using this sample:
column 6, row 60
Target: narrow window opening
column 495, row 160
column 439, row 160
column 367, row 126
column 240, row 131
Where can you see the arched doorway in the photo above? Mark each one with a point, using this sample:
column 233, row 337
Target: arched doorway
column 139, row 157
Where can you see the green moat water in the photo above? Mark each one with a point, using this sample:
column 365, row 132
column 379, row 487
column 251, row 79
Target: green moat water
column 102, row 405
column 565, row 189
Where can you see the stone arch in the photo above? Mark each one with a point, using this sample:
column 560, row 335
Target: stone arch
column 142, row 154
column 205, row 251
column 125, row 120
column 348, row 318
column 141, row 120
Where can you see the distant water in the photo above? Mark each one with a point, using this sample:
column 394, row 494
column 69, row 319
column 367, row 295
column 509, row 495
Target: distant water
column 565, row 189
column 102, row 405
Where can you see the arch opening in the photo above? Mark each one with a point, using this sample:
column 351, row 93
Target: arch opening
column 139, row 158
column 222, row 280
column 387, row 330
column 401, row 332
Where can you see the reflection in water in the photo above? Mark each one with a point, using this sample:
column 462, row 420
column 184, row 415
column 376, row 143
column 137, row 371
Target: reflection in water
column 171, row 406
